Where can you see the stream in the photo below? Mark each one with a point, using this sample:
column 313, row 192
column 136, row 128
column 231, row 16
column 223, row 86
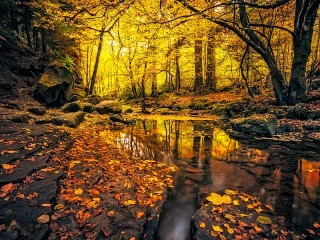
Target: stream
column 210, row 161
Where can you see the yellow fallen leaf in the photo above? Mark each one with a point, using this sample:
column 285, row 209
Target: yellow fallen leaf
column 132, row 238
column 202, row 224
column 235, row 202
column 230, row 230
column 258, row 229
column 259, row 209
column 139, row 214
column 217, row 228
column 215, row 199
column 228, row 216
column 230, row 192
column 316, row 225
column 250, row 206
column 226, row 199
column 222, row 237
column 78, row 191
column 130, row 202
column 43, row 219
column 264, row 220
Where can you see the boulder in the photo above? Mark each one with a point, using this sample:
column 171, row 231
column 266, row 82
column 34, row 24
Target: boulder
column 105, row 107
column 129, row 110
column 71, row 107
column 299, row 111
column 53, row 87
column 315, row 84
column 256, row 124
column 93, row 99
column 87, row 107
column 20, row 118
column 72, row 119
column 39, row 110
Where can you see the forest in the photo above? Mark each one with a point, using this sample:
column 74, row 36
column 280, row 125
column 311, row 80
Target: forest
column 165, row 119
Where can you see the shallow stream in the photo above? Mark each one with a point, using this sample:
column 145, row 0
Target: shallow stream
column 210, row 160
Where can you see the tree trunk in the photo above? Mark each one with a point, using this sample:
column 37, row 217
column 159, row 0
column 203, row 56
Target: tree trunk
column 96, row 65
column 305, row 17
column 211, row 65
column 43, row 41
column 27, row 24
column 178, row 79
column 198, row 65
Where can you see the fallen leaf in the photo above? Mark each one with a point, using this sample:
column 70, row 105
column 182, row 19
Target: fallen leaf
column 94, row 191
column 6, row 188
column 226, row 199
column 202, row 224
column 78, row 191
column 230, row 230
column 264, row 220
column 230, row 192
column 7, row 166
column 316, row 225
column 217, row 228
column 139, row 214
column 46, row 205
column 235, row 202
column 43, row 219
column 130, row 202
column 215, row 199
column 110, row 213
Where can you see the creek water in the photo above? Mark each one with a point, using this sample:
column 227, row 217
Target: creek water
column 209, row 159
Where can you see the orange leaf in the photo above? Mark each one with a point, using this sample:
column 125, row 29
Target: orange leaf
column 139, row 214
column 202, row 224
column 6, row 188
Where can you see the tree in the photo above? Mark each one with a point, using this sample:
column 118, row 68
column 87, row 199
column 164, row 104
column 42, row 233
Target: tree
column 250, row 28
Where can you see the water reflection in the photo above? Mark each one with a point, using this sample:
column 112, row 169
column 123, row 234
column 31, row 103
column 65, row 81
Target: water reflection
column 208, row 158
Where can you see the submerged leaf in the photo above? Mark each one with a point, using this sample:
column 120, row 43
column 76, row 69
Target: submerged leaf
column 43, row 219
column 202, row 224
column 264, row 220
column 230, row 192
column 217, row 228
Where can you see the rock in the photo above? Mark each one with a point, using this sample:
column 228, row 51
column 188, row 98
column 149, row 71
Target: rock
column 40, row 110
column 278, row 112
column 20, row 118
column 87, row 107
column 53, row 87
column 129, row 110
column 71, row 107
column 197, row 177
column 93, row 99
column 105, row 107
column 300, row 111
column 315, row 84
column 69, row 119
column 193, row 170
column 287, row 127
column 314, row 114
column 43, row 120
column 256, row 124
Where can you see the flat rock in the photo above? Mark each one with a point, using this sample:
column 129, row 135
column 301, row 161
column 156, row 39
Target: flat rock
column 39, row 110
column 106, row 107
column 69, row 119
column 193, row 170
column 71, row 107
column 256, row 124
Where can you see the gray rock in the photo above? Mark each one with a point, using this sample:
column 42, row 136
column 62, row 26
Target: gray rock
column 53, row 87
column 256, row 124
column 71, row 107
column 105, row 107
column 69, row 119
column 39, row 110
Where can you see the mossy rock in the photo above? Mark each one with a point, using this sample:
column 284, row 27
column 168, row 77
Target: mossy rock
column 256, row 124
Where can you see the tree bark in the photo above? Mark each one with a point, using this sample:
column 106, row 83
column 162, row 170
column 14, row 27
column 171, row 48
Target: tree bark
column 27, row 25
column 305, row 16
column 96, row 65
column 198, row 65
column 178, row 77
column 211, row 64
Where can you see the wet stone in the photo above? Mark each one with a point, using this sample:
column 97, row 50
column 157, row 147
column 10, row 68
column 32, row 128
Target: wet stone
column 193, row 170
column 197, row 177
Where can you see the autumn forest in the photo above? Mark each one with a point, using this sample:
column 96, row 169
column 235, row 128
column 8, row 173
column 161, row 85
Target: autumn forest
column 165, row 119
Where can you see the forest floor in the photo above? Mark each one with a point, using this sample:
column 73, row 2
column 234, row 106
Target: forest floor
column 69, row 183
